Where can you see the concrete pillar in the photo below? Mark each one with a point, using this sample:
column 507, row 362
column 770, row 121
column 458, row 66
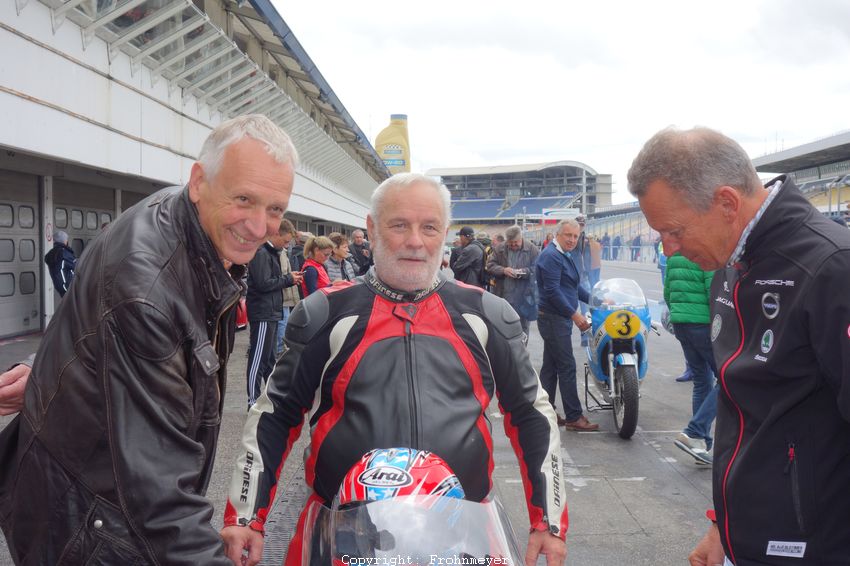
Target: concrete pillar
column 48, row 227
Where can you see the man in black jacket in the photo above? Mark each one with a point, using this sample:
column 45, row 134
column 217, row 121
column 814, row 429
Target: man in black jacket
column 111, row 455
column 361, row 252
column 265, row 309
column 780, row 332
column 469, row 266
column 61, row 262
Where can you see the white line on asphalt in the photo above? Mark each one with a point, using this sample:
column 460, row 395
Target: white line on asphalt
column 669, row 460
column 571, row 472
column 630, row 479
column 578, row 482
column 661, row 431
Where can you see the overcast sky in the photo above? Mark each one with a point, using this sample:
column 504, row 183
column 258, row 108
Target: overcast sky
column 500, row 83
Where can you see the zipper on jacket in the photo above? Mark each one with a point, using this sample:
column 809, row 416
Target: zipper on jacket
column 723, row 369
column 217, row 324
column 791, row 468
column 411, row 386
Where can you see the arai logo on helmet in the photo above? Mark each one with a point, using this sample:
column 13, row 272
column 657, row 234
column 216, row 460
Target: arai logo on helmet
column 385, row 476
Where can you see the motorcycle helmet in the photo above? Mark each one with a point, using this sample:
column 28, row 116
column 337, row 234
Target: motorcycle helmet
column 394, row 472
column 420, row 481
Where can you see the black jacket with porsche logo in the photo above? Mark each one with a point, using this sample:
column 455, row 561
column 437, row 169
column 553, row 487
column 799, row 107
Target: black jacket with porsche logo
column 781, row 337
column 379, row 368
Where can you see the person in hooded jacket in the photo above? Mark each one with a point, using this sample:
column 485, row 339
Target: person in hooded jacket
column 61, row 262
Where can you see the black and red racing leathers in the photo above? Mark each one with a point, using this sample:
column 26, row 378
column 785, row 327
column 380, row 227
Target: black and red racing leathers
column 394, row 369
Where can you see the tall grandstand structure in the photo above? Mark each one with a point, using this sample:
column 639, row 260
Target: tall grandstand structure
column 491, row 198
column 820, row 168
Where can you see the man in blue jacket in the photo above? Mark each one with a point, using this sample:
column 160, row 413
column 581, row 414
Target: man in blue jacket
column 558, row 280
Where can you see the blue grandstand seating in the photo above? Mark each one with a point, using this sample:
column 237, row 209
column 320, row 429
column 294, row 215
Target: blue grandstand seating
column 475, row 209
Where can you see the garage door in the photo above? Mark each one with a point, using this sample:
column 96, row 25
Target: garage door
column 20, row 257
column 81, row 211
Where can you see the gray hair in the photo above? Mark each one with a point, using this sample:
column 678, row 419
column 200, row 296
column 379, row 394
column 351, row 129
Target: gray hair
column 694, row 163
column 513, row 233
column 567, row 222
column 358, row 231
column 60, row 237
column 407, row 180
column 256, row 126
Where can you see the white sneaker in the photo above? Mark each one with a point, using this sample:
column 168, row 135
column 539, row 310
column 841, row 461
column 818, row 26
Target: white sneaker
column 694, row 446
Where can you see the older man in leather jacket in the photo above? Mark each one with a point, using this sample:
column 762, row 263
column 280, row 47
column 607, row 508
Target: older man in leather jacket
column 111, row 455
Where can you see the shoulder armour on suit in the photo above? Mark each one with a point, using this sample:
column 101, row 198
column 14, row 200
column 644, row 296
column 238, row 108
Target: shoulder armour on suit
column 307, row 318
column 501, row 315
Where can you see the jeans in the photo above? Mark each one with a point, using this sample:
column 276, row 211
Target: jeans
column 281, row 328
column 696, row 345
column 559, row 364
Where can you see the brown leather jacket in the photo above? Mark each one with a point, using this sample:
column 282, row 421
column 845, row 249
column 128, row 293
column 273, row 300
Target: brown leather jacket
column 110, row 457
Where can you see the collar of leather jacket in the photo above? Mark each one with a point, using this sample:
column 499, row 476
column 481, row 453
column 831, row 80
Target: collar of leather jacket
column 381, row 288
column 219, row 284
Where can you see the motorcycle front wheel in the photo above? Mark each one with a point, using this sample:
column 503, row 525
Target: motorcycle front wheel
column 625, row 401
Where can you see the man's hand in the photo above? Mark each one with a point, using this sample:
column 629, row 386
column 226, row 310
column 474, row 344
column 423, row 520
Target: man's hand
column 709, row 551
column 509, row 272
column 297, row 277
column 238, row 539
column 581, row 321
column 544, row 542
column 12, row 385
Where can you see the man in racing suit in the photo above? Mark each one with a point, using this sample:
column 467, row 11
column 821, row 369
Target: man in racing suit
column 401, row 357
column 781, row 338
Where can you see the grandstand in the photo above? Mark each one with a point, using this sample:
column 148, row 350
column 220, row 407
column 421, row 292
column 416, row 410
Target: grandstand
column 492, row 198
column 820, row 168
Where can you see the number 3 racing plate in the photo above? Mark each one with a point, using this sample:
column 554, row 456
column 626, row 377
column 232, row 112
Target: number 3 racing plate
column 622, row 324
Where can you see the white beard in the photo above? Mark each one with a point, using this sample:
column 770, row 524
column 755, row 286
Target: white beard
column 404, row 277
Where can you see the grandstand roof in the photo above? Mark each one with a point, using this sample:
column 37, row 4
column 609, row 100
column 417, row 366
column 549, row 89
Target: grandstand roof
column 815, row 154
column 502, row 169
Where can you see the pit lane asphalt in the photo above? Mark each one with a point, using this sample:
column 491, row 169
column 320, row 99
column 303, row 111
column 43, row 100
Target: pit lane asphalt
column 632, row 502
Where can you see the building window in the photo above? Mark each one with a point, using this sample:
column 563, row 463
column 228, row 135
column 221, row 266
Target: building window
column 60, row 216
column 27, row 283
column 77, row 219
column 26, row 217
column 91, row 220
column 7, row 250
column 7, row 216
column 77, row 245
column 26, row 249
column 7, row 284
column 105, row 218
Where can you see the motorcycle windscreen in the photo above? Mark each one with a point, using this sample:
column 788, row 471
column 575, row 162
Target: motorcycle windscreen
column 419, row 530
column 617, row 293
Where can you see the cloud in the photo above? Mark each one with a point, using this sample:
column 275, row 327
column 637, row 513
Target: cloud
column 504, row 83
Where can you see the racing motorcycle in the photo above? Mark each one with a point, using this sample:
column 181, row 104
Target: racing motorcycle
column 406, row 506
column 617, row 356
